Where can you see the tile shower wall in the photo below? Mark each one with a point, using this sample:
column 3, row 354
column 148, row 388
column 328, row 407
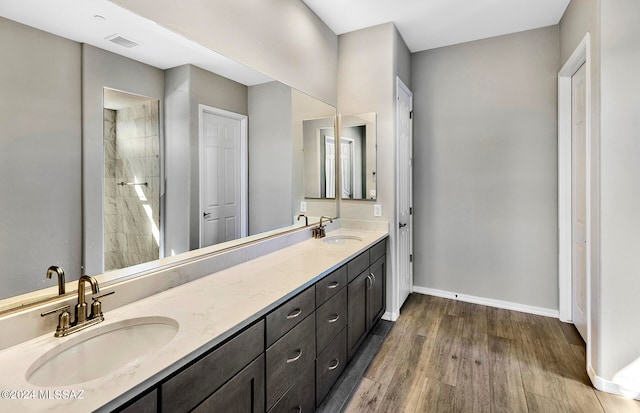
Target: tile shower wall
column 132, row 218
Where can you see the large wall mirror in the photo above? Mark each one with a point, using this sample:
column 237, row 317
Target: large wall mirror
column 357, row 146
column 115, row 160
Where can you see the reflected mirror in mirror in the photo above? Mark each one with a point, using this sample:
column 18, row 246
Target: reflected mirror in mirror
column 358, row 156
column 319, row 158
column 57, row 163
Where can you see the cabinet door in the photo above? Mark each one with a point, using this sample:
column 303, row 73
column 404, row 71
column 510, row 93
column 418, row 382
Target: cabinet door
column 145, row 404
column 357, row 303
column 244, row 393
column 376, row 299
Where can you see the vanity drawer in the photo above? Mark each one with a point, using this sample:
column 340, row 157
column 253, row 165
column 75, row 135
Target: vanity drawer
column 330, row 365
column 198, row 381
column 300, row 397
column 289, row 314
column 357, row 265
column 331, row 317
column 377, row 251
column 244, row 393
column 289, row 358
column 330, row 285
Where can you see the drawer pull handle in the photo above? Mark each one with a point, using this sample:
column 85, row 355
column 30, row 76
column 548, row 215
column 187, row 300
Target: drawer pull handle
column 335, row 366
column 298, row 409
column 334, row 319
column 294, row 314
column 333, row 285
column 374, row 278
column 370, row 284
column 291, row 360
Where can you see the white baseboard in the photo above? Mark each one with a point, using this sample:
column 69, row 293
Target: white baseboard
column 490, row 302
column 609, row 386
column 390, row 316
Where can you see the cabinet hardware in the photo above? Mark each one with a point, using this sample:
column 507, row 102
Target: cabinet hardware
column 291, row 360
column 374, row 278
column 334, row 319
column 294, row 314
column 335, row 366
column 333, row 285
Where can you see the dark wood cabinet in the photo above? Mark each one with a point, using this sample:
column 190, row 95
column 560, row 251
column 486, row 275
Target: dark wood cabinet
column 191, row 386
column 289, row 357
column 145, row 404
column 288, row 360
column 376, row 304
column 330, row 364
column 244, row 393
column 366, row 295
column 357, row 323
column 300, row 397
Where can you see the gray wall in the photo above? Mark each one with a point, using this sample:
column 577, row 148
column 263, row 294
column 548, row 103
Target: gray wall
column 258, row 34
column 270, row 157
column 102, row 69
column 41, row 220
column 368, row 62
column 485, row 174
column 620, row 194
column 187, row 87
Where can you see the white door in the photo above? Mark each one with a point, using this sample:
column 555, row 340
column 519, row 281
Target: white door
column 330, row 166
column 404, row 167
column 346, row 169
column 222, row 176
column 579, row 202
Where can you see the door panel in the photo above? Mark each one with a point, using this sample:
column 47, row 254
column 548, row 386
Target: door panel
column 221, row 179
column 579, row 202
column 404, row 194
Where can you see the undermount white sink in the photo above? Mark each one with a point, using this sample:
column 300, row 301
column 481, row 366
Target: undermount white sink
column 341, row 239
column 100, row 350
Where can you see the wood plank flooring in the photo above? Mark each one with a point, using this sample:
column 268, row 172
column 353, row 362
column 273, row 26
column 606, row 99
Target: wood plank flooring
column 450, row 356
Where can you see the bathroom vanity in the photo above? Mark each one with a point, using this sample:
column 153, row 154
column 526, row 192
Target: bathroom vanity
column 272, row 334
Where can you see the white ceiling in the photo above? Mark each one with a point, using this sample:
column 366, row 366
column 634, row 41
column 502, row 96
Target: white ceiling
column 159, row 47
column 427, row 24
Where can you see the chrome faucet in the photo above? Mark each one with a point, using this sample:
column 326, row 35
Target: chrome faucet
column 82, row 318
column 54, row 269
column 319, row 232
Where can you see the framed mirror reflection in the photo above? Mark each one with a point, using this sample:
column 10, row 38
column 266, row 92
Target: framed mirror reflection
column 116, row 189
column 357, row 154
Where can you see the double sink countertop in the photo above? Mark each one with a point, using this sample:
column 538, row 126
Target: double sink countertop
column 208, row 311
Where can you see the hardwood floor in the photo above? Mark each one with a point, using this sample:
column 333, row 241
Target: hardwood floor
column 450, row 356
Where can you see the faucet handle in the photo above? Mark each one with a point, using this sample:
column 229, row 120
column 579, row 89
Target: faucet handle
column 64, row 320
column 96, row 307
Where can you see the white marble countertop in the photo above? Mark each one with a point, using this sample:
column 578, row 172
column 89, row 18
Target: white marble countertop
column 208, row 311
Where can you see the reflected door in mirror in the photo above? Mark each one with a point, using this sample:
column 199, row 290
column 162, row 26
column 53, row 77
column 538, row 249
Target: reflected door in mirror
column 221, row 182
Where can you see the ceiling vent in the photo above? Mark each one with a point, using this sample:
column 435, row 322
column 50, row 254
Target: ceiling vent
column 122, row 41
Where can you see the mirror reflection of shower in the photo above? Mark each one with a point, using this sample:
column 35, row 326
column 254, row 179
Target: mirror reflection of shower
column 131, row 180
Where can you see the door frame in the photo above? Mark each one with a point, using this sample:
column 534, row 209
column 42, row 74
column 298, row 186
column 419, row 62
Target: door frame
column 580, row 56
column 244, row 170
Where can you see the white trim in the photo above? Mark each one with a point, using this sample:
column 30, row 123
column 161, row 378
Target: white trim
column 391, row 316
column 609, row 386
column 581, row 55
column 489, row 302
column 244, row 169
